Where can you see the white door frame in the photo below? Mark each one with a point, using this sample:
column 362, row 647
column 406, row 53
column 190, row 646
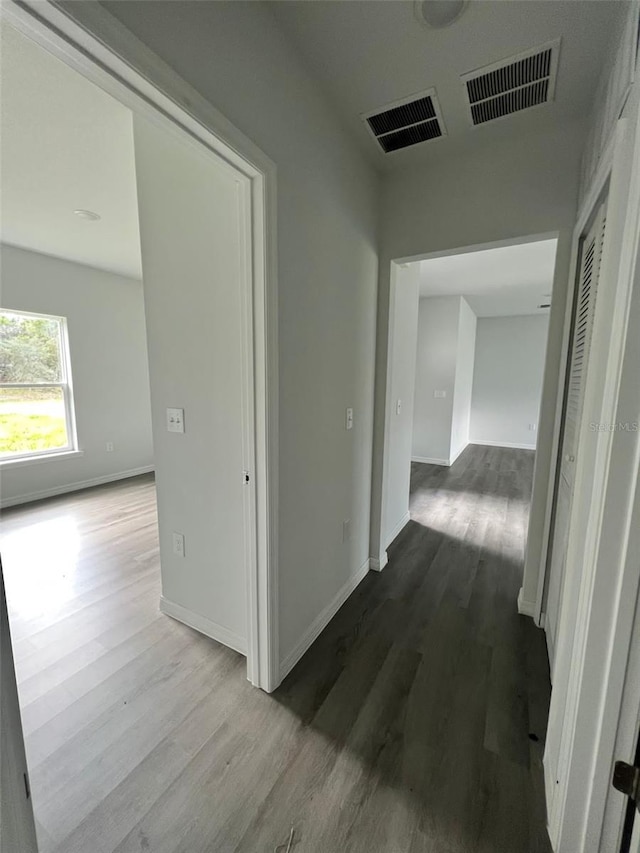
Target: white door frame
column 593, row 647
column 379, row 543
column 585, row 213
column 154, row 90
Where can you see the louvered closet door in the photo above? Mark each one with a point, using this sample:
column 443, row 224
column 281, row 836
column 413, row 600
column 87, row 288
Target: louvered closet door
column 573, row 407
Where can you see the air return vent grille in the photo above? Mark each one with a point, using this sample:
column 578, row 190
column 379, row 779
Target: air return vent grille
column 408, row 122
column 515, row 84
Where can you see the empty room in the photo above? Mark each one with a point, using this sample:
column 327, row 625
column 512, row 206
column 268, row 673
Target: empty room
column 319, row 446
column 481, row 341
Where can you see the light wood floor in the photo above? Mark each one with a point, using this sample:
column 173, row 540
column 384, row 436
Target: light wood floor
column 405, row 729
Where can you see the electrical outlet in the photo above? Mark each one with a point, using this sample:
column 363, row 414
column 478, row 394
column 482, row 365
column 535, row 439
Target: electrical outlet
column 348, row 419
column 346, row 530
column 175, row 420
column 439, row 394
column 532, row 427
column 109, row 447
column 178, row 544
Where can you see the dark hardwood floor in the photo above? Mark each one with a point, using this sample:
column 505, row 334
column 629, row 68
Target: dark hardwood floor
column 415, row 724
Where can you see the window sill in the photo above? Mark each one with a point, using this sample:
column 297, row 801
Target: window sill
column 45, row 457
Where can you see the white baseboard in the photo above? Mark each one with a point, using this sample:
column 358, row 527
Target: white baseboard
column 204, row 625
column 321, row 621
column 525, row 608
column 455, row 455
column 430, row 460
column 377, row 564
column 397, row 529
column 75, row 487
column 502, row 444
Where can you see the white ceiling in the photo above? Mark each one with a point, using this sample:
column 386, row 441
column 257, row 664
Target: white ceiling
column 66, row 145
column 370, row 54
column 502, row 282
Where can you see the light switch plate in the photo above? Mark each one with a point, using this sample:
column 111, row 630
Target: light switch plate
column 178, row 544
column 175, row 420
column 349, row 419
column 398, row 407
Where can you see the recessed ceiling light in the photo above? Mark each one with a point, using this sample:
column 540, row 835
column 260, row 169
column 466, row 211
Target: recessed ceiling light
column 87, row 214
column 439, row 13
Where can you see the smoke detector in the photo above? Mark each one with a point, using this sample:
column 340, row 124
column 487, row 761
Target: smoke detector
column 438, row 13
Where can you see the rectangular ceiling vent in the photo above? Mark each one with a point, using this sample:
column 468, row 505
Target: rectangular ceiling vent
column 515, row 84
column 407, row 122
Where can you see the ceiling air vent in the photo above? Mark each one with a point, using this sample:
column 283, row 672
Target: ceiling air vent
column 407, row 122
column 515, row 84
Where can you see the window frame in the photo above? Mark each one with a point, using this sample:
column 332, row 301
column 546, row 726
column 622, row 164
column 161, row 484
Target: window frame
column 65, row 385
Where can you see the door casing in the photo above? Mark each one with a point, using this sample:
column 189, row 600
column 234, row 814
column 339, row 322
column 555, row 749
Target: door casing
column 152, row 89
column 594, row 644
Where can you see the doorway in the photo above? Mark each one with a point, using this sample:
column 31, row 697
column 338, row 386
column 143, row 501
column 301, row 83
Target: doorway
column 250, row 179
column 213, row 388
column 466, row 366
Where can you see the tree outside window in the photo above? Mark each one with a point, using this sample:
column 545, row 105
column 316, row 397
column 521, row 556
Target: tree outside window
column 36, row 406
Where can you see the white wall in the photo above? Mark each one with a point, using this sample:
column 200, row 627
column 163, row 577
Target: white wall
column 518, row 187
column 403, row 369
column 190, row 208
column 461, row 414
column 108, row 352
column 444, row 362
column 235, row 55
column 437, row 350
column 507, row 380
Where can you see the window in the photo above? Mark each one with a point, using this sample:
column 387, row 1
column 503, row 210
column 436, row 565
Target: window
column 36, row 405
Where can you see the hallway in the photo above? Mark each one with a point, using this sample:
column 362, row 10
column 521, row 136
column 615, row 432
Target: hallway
column 414, row 724
column 431, row 689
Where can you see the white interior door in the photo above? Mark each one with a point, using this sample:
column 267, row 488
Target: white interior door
column 580, row 344
column 195, row 239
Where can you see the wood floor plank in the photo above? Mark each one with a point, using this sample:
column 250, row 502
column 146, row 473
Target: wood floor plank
column 414, row 724
column 88, row 674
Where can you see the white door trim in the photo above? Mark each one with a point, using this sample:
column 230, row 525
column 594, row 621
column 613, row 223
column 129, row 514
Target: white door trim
column 379, row 542
column 577, row 725
column 130, row 72
column 585, row 213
